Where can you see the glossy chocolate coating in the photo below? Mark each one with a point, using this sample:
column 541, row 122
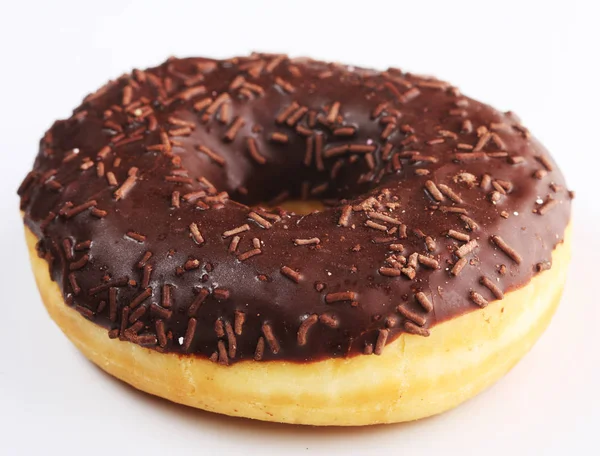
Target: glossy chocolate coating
column 167, row 116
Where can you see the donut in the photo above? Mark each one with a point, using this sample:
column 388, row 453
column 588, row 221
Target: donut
column 297, row 241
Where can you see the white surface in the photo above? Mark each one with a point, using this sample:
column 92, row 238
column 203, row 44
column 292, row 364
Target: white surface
column 538, row 59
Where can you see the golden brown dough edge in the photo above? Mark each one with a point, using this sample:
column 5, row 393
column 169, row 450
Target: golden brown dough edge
column 415, row 377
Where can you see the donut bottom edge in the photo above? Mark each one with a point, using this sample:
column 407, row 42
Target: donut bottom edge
column 415, row 377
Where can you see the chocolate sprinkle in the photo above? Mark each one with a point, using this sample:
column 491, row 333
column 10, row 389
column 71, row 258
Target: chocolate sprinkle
column 434, row 191
column 212, row 155
column 140, row 298
column 389, row 272
column 478, row 299
column 412, row 328
column 260, row 220
column 496, row 291
column 509, row 251
column 547, row 206
column 160, row 333
column 189, row 334
column 381, row 340
column 233, row 245
column 424, row 301
column 238, row 230
column 459, row 236
column 248, row 254
column 197, row 302
column 75, row 265
column 231, row 340
column 469, row 223
column 467, row 248
column 410, row 315
column 304, row 327
column 458, row 266
column 307, row 241
column 340, row 296
column 254, row 153
column 291, row 274
column 428, row 262
column 195, row 233
column 328, row 320
column 270, row 338
column 260, row 349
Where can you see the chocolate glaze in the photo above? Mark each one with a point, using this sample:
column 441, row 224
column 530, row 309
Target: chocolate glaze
column 430, row 124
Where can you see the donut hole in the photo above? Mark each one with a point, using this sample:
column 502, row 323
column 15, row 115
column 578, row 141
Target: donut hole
column 301, row 191
column 300, row 207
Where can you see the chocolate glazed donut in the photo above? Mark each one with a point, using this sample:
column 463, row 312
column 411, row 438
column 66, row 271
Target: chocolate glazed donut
column 147, row 206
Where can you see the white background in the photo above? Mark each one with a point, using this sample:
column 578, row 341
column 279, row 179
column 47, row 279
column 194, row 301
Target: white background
column 539, row 59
